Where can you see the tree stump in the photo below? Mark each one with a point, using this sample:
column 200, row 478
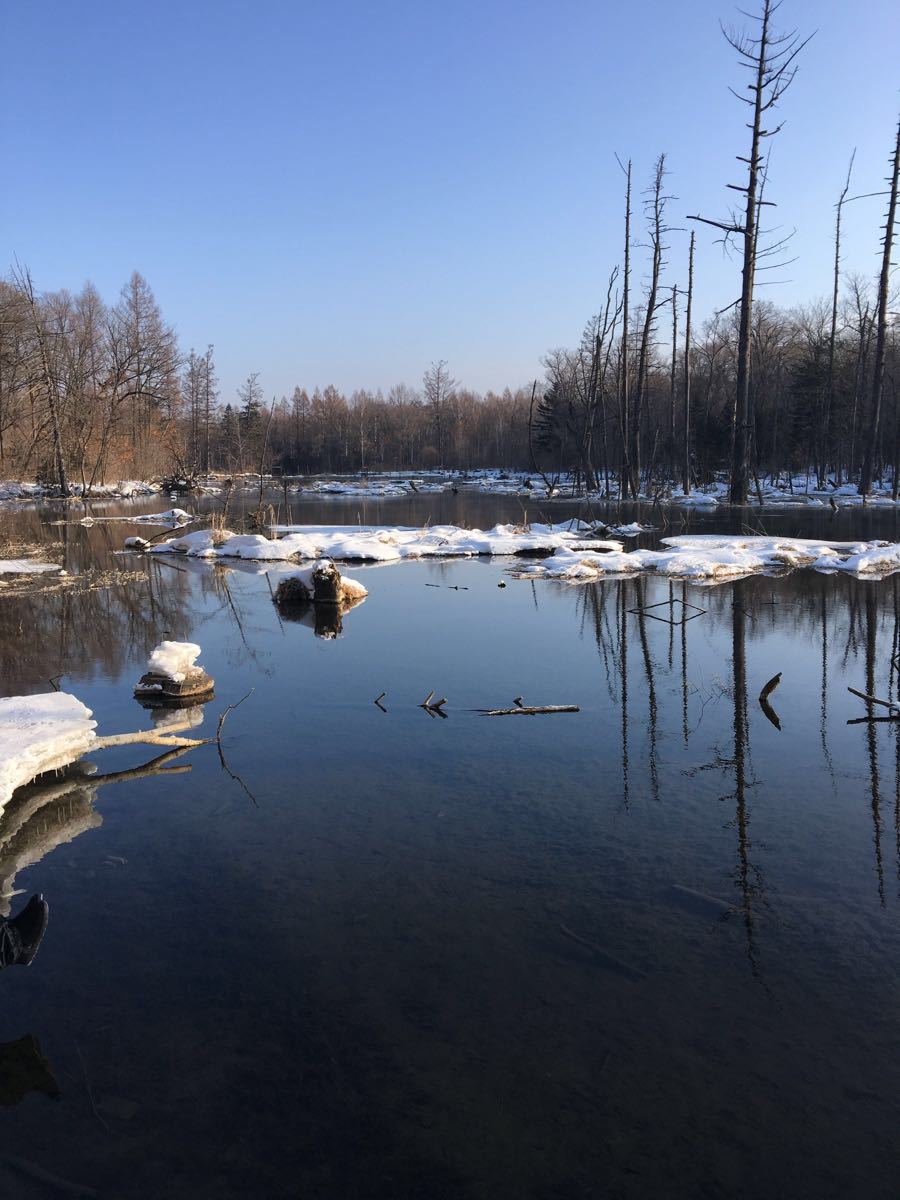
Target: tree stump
column 327, row 586
column 196, row 688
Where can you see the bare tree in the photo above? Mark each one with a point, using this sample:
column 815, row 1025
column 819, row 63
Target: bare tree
column 48, row 374
column 624, row 382
column 865, row 479
column 828, row 415
column 771, row 58
column 655, row 207
column 438, row 388
column 686, row 475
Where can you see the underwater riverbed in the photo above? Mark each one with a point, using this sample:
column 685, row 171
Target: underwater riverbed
column 646, row 949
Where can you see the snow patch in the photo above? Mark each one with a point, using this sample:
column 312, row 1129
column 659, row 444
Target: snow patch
column 708, row 557
column 174, row 660
column 25, row 566
column 354, row 543
column 40, row 733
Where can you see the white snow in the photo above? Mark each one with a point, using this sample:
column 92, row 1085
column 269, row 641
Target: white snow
column 631, row 530
column 175, row 660
column 355, row 543
column 709, row 557
column 15, row 489
column 40, row 733
column 25, row 566
column 172, row 516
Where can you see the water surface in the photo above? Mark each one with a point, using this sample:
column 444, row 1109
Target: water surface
column 649, row 949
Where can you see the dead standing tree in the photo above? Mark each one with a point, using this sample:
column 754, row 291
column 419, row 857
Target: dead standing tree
column 771, row 58
column 655, row 208
column 865, row 479
column 686, row 467
column 625, row 471
column 828, row 416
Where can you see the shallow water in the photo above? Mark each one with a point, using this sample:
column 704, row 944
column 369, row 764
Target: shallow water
column 649, row 949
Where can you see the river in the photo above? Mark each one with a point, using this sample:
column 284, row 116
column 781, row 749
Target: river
column 648, row 949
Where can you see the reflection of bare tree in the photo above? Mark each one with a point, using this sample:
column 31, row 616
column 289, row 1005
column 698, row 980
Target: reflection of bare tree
column 748, row 877
column 623, row 672
column 823, row 707
column 93, row 629
column 640, row 604
column 872, row 736
column 685, row 733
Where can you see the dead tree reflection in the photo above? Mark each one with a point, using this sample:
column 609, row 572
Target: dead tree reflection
column 96, row 630
column 748, row 876
column 871, row 633
column 823, row 707
column 640, row 601
column 623, row 675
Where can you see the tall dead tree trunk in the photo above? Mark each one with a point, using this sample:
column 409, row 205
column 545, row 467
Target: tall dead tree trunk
column 686, row 476
column 624, row 390
column 771, row 58
column 828, row 415
column 865, row 479
column 655, row 204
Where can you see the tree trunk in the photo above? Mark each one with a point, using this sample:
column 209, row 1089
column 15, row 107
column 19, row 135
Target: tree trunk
column 865, row 480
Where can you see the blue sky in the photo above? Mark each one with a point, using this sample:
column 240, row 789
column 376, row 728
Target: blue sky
column 345, row 192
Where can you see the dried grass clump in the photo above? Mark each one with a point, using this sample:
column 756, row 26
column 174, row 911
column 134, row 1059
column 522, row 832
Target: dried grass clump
column 292, row 591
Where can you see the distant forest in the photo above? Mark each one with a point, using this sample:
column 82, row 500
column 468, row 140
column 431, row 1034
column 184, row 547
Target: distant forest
column 650, row 396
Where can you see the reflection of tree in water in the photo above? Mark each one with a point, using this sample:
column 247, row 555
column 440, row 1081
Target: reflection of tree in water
column 852, row 625
column 88, row 631
column 748, row 876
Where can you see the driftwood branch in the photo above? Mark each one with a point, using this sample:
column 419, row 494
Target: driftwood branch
column 151, row 737
column 528, row 710
column 764, row 704
column 434, row 708
column 874, row 700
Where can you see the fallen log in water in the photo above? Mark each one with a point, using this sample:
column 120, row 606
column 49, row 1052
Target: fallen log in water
column 874, row 700
column 528, row 710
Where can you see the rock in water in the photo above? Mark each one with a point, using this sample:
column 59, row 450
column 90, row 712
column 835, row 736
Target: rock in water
column 174, row 677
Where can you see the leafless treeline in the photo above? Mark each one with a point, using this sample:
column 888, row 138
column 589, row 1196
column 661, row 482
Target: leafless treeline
column 86, row 390
column 810, row 399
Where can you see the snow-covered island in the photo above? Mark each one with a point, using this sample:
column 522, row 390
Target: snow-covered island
column 571, row 551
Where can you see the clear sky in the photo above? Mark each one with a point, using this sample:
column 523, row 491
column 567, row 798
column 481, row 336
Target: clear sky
column 343, row 192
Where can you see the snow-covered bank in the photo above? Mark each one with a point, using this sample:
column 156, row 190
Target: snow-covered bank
column 800, row 491
column 26, row 566
column 38, row 734
column 172, row 516
column 372, row 489
column 14, row 489
column 717, row 558
column 354, row 543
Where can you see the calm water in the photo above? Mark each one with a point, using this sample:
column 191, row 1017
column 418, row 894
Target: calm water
column 650, row 949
